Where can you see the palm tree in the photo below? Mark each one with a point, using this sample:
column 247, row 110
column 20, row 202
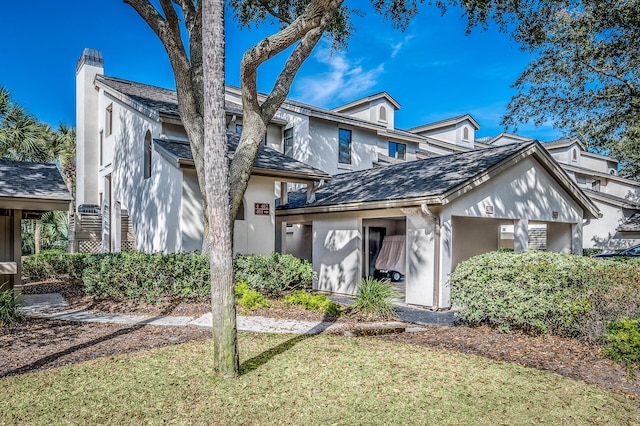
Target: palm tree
column 22, row 136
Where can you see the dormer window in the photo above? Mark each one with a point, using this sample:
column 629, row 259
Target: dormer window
column 465, row 134
column 382, row 113
column 574, row 155
column 612, row 172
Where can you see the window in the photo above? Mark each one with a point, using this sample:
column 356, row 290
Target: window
column 397, row 150
column 239, row 129
column 344, row 147
column 595, row 185
column 574, row 155
column 101, row 137
column 382, row 114
column 288, row 142
column 465, row 134
column 612, row 172
column 147, row 155
column 108, row 120
column 240, row 214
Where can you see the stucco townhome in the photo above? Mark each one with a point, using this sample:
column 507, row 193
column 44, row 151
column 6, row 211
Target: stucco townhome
column 328, row 186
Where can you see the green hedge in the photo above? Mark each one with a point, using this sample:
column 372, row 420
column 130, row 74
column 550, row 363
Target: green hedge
column 147, row 277
column 55, row 264
column 543, row 292
column 273, row 273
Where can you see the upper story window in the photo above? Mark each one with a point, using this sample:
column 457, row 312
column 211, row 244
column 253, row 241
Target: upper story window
column 344, row 146
column 147, row 155
column 108, row 120
column 465, row 133
column 574, row 154
column 613, row 172
column 595, row 185
column 288, row 142
column 397, row 150
column 239, row 129
column 382, row 113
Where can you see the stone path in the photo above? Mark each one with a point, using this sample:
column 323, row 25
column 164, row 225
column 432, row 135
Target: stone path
column 53, row 306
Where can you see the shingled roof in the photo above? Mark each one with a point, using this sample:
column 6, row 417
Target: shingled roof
column 434, row 179
column 268, row 162
column 32, row 181
column 430, row 177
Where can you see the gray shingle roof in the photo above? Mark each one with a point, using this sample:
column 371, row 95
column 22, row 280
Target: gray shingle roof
column 632, row 224
column 415, row 179
column 19, row 179
column 267, row 159
column 165, row 101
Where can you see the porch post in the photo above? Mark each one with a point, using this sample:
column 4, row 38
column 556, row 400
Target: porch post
column 521, row 235
column 16, row 247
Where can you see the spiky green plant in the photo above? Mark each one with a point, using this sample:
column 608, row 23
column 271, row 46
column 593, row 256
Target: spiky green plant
column 375, row 297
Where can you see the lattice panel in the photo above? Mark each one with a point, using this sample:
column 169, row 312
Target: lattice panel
column 89, row 246
column 128, row 246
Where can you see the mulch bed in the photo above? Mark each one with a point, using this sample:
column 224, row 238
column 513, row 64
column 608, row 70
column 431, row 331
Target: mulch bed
column 39, row 344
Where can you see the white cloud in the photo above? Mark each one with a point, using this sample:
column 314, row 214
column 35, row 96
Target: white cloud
column 395, row 48
column 344, row 79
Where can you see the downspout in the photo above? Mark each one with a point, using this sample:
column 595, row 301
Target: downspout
column 436, row 255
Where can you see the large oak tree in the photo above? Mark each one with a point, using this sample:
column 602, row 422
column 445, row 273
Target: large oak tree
column 303, row 23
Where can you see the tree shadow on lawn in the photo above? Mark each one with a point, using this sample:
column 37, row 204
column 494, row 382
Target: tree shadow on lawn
column 261, row 359
column 42, row 362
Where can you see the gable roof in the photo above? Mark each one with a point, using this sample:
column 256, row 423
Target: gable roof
column 437, row 180
column 563, row 143
column 155, row 101
column 444, row 123
column 269, row 162
column 490, row 140
column 32, row 186
column 612, row 199
column 366, row 100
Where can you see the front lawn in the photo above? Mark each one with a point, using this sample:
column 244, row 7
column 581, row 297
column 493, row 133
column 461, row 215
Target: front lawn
column 306, row 380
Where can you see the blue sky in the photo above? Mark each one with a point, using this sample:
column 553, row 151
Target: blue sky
column 432, row 69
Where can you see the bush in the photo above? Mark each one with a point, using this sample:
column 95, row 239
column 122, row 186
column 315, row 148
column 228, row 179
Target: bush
column 375, row 297
column 588, row 252
column 623, row 342
column 543, row 292
column 55, row 264
column 314, row 302
column 248, row 298
column 9, row 314
column 147, row 277
column 274, row 273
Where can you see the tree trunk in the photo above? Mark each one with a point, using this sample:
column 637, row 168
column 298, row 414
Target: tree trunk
column 216, row 173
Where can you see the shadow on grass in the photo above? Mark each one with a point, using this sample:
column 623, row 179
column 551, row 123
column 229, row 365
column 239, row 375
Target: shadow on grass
column 42, row 362
column 259, row 360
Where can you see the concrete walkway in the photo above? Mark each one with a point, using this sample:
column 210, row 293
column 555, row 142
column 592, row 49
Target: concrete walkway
column 53, row 306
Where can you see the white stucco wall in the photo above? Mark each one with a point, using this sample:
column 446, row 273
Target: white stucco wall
column 601, row 233
column 337, row 253
column 524, row 192
column 87, row 135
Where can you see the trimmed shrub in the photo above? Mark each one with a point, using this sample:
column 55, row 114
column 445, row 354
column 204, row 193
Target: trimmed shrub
column 623, row 342
column 55, row 264
column 9, row 313
column 543, row 292
column 147, row 277
column 314, row 302
column 588, row 252
column 248, row 298
column 274, row 273
column 375, row 297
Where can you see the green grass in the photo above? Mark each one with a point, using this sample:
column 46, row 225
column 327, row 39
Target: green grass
column 306, row 380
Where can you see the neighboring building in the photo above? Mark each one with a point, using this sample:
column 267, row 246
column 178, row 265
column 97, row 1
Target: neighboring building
column 448, row 194
column 27, row 190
